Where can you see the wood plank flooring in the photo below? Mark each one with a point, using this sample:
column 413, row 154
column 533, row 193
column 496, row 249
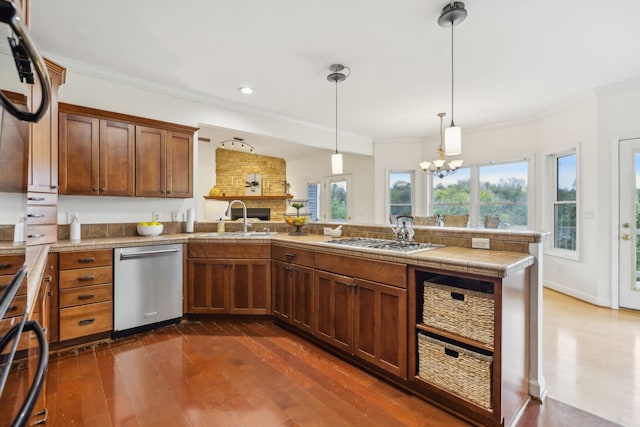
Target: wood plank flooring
column 592, row 357
column 221, row 373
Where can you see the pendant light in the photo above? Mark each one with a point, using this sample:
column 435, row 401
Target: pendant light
column 452, row 14
column 337, row 76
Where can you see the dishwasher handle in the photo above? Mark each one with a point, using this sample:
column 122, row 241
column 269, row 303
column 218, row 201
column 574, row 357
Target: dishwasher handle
column 147, row 253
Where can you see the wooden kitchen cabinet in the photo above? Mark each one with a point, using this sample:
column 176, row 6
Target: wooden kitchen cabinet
column 14, row 147
column 85, row 293
column 292, row 286
column 225, row 279
column 362, row 317
column 97, row 156
column 43, row 150
column 111, row 154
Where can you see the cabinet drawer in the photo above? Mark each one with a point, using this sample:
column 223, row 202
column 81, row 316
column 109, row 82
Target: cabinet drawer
column 230, row 250
column 42, row 214
column 5, row 280
column 42, row 198
column 460, row 371
column 84, row 259
column 17, row 306
column 389, row 273
column 85, row 320
column 85, row 295
column 461, row 311
column 10, row 264
column 38, row 234
column 294, row 255
column 85, row 277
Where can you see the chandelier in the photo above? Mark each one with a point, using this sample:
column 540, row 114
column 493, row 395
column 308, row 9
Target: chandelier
column 441, row 167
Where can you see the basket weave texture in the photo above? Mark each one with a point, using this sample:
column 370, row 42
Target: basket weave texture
column 431, row 221
column 471, row 317
column 455, row 220
column 468, row 375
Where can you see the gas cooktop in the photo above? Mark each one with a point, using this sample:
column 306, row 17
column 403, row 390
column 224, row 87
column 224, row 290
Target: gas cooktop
column 401, row 246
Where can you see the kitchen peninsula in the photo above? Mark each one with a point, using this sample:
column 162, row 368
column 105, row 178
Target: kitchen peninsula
column 369, row 306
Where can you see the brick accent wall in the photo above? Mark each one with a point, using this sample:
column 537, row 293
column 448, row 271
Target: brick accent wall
column 233, row 166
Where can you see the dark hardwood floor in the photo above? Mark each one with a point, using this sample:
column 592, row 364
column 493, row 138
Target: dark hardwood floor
column 221, row 373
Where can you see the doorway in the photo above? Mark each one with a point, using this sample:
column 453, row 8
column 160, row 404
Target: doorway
column 628, row 223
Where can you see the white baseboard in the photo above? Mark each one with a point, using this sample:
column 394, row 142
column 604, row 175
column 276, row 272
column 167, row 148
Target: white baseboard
column 604, row 302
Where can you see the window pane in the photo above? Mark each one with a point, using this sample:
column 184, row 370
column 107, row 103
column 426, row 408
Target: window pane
column 400, row 193
column 503, row 193
column 567, row 178
column 339, row 201
column 313, row 194
column 565, row 226
column 452, row 194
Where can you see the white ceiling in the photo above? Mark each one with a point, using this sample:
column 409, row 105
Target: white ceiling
column 514, row 59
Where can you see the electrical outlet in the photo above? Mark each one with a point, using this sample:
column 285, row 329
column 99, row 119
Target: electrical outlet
column 480, row 243
column 155, row 216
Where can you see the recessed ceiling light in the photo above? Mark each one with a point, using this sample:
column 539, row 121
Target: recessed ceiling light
column 246, row 90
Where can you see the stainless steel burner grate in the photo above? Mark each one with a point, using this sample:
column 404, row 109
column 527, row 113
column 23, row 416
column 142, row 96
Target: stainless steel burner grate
column 384, row 245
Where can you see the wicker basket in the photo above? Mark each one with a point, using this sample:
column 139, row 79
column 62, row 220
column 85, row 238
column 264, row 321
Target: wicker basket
column 460, row 371
column 491, row 221
column 431, row 221
column 459, row 311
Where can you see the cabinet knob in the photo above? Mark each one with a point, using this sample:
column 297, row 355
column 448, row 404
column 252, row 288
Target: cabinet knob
column 95, row 189
column 48, row 278
column 54, row 187
column 103, row 189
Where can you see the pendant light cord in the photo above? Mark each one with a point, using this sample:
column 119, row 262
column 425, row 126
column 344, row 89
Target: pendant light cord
column 452, row 124
column 336, row 116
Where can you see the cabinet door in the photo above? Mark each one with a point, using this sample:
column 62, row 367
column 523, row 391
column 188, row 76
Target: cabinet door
column 179, row 165
column 151, row 162
column 380, row 326
column 333, row 309
column 302, row 298
column 281, row 290
column 43, row 153
column 117, row 158
column 79, row 149
column 250, row 287
column 14, row 148
column 208, row 286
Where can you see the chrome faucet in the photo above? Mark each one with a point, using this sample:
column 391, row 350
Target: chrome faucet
column 244, row 214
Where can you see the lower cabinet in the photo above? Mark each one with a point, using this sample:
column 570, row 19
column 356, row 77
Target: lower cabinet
column 85, row 297
column 228, row 285
column 364, row 318
column 292, row 294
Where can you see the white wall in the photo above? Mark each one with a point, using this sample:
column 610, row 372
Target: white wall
column 318, row 167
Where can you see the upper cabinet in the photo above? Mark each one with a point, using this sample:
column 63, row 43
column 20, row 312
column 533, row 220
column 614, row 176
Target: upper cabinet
column 111, row 154
column 43, row 152
column 14, row 147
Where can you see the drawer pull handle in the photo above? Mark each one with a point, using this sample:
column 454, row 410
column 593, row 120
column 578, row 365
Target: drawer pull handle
column 12, row 308
column 86, row 321
column 3, row 287
column 35, row 215
column 47, row 278
column 44, row 414
column 457, row 296
column 86, row 278
column 5, row 266
column 86, row 260
column 290, row 255
column 36, row 199
column 32, row 236
column 86, row 296
column 451, row 353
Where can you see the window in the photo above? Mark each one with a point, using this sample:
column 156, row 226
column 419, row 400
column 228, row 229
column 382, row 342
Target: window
column 565, row 202
column 452, row 194
column 504, row 193
column 400, row 192
column 329, row 199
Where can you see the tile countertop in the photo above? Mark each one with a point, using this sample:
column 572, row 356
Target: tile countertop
column 475, row 261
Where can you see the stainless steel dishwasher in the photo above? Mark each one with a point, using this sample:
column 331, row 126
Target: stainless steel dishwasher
column 147, row 288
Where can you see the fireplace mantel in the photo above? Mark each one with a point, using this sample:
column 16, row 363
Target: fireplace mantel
column 243, row 197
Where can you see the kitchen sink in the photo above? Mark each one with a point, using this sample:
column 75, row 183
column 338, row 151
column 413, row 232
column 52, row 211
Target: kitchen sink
column 398, row 246
column 238, row 234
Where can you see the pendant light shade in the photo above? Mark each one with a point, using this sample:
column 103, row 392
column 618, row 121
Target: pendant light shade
column 337, row 76
column 336, row 164
column 452, row 14
column 453, row 141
